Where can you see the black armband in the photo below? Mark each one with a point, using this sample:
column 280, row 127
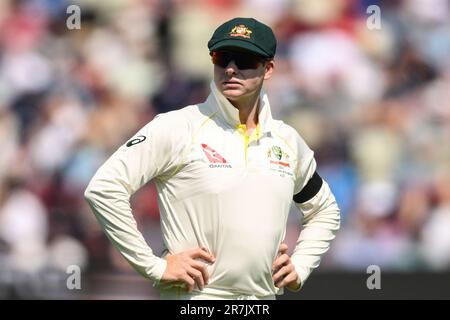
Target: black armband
column 310, row 190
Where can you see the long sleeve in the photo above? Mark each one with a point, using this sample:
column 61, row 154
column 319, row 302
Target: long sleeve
column 321, row 219
column 320, row 216
column 151, row 153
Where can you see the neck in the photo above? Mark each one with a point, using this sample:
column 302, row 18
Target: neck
column 248, row 110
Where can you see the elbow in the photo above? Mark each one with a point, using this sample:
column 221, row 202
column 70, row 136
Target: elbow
column 338, row 218
column 333, row 210
column 334, row 213
column 93, row 198
column 101, row 191
column 89, row 194
column 331, row 216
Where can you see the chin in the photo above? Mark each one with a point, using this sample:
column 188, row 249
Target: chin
column 232, row 94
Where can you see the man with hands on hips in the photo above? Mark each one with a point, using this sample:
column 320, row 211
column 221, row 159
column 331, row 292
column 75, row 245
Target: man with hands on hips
column 226, row 173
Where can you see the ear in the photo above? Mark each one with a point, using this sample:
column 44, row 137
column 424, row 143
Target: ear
column 268, row 69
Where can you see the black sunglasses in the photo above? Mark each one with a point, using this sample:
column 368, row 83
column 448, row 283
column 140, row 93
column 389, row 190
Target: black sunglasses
column 242, row 60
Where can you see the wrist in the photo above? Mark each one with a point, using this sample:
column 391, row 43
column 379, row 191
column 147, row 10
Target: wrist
column 295, row 285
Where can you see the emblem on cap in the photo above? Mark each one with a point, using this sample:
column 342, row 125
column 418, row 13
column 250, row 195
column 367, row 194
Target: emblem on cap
column 240, row 31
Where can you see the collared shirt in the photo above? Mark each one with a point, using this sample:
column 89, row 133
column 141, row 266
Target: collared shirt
column 219, row 188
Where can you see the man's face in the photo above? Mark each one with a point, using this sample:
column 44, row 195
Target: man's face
column 239, row 83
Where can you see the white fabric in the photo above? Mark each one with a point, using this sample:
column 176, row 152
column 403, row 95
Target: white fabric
column 237, row 209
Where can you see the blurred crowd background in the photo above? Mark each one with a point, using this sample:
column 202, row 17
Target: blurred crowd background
column 374, row 105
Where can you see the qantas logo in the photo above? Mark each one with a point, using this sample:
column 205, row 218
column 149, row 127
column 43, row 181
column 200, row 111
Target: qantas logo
column 212, row 154
column 215, row 159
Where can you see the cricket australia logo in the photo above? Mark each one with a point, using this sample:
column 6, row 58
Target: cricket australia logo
column 276, row 154
column 279, row 161
column 241, row 31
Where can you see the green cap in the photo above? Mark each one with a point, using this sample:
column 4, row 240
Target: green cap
column 245, row 33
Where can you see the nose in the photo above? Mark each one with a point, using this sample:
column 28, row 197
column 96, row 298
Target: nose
column 231, row 68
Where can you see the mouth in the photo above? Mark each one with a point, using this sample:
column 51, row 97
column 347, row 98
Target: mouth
column 231, row 82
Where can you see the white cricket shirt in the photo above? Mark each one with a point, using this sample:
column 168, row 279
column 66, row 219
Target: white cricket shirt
column 218, row 188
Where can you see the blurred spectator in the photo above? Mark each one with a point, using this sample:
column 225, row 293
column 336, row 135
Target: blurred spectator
column 23, row 227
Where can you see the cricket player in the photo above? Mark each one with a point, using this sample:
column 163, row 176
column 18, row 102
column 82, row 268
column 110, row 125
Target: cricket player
column 226, row 174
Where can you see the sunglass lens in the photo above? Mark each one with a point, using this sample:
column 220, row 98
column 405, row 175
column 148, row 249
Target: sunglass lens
column 242, row 60
column 221, row 58
column 245, row 61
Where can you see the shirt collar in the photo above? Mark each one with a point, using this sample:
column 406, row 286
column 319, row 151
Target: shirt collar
column 231, row 115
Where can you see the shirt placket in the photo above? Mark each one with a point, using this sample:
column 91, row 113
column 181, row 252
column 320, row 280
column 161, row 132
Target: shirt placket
column 248, row 139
